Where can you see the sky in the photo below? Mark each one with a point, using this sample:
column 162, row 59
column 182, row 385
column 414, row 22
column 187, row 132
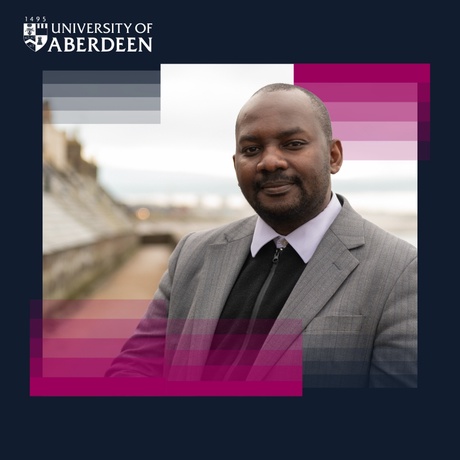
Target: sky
column 199, row 105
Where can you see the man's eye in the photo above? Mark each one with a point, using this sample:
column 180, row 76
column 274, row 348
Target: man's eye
column 250, row 150
column 294, row 144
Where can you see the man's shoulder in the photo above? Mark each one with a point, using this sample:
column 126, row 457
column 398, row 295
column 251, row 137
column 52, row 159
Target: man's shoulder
column 224, row 233
column 354, row 228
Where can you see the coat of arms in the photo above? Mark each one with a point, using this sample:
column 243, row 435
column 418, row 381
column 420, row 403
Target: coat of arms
column 35, row 35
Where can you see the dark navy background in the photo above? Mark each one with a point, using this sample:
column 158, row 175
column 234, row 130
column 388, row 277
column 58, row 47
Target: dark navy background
column 327, row 423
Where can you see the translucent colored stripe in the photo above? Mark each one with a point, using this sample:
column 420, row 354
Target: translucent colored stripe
column 106, row 117
column 362, row 92
column 423, row 111
column 379, row 150
column 157, row 387
column 100, row 90
column 101, row 76
column 81, row 348
column 104, row 103
column 375, row 131
column 222, row 356
column 75, row 328
column 75, row 367
column 362, row 72
column 92, row 308
column 423, row 92
column 373, row 111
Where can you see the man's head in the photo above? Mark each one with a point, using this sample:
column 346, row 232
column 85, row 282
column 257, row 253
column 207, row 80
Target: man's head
column 285, row 155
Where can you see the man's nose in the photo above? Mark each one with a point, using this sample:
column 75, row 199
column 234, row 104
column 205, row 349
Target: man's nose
column 271, row 160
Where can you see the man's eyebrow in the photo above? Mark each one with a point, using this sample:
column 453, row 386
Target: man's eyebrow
column 290, row 132
column 248, row 138
column 280, row 135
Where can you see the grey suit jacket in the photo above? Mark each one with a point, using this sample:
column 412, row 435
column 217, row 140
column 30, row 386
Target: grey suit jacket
column 350, row 321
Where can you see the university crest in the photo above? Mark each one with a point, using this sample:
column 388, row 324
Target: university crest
column 35, row 35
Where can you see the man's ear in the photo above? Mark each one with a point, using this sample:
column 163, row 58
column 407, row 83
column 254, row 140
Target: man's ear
column 336, row 158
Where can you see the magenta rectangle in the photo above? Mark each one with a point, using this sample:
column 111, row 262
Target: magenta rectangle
column 362, row 72
column 75, row 367
column 35, row 346
column 423, row 92
column 35, row 367
column 375, row 131
column 158, row 387
column 373, row 111
column 81, row 348
column 362, row 92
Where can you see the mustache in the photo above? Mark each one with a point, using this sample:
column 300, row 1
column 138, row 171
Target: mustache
column 274, row 177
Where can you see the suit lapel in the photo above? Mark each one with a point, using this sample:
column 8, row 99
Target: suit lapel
column 221, row 266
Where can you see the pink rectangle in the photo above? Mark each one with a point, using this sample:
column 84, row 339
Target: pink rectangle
column 373, row 111
column 379, row 150
column 81, row 348
column 88, row 328
column 362, row 92
column 375, row 131
column 35, row 367
column 423, row 92
column 75, row 367
column 362, row 72
column 157, row 387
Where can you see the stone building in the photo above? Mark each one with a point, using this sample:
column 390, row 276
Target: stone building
column 86, row 233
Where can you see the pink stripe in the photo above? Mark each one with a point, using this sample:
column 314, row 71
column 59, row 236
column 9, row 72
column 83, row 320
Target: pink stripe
column 375, row 131
column 362, row 72
column 81, row 348
column 286, row 373
column 423, row 90
column 75, row 367
column 222, row 355
column 373, row 111
column 97, row 308
column 89, row 328
column 35, row 367
column 383, row 150
column 363, row 92
column 157, row 387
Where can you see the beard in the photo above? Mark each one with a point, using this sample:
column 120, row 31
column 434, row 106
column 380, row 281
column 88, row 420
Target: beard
column 298, row 209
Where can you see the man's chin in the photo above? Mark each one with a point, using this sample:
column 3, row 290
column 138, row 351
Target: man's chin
column 278, row 213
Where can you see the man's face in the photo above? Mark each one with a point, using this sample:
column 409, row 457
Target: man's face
column 283, row 160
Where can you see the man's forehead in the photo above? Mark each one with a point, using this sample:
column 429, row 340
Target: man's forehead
column 266, row 104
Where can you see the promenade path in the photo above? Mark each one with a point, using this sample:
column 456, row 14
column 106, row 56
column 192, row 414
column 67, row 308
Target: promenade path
column 125, row 294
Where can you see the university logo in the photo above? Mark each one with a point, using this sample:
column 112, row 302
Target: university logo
column 35, row 35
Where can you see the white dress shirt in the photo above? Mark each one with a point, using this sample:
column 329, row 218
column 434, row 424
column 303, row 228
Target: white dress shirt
column 304, row 239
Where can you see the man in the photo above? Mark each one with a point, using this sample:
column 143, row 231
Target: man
column 306, row 284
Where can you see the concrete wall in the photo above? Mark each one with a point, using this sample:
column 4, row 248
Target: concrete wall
column 68, row 273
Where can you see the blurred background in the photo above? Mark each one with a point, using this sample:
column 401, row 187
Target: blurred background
column 118, row 196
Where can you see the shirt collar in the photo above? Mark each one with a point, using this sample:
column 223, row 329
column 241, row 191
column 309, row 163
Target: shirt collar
column 304, row 239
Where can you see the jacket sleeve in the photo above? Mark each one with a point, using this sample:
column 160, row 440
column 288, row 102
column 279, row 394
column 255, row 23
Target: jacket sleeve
column 394, row 357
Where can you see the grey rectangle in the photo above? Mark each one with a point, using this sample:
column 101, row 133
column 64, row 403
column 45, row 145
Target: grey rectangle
column 103, row 103
column 101, row 76
column 122, row 117
column 101, row 90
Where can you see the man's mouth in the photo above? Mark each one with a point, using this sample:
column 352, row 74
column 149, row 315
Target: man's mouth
column 278, row 187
